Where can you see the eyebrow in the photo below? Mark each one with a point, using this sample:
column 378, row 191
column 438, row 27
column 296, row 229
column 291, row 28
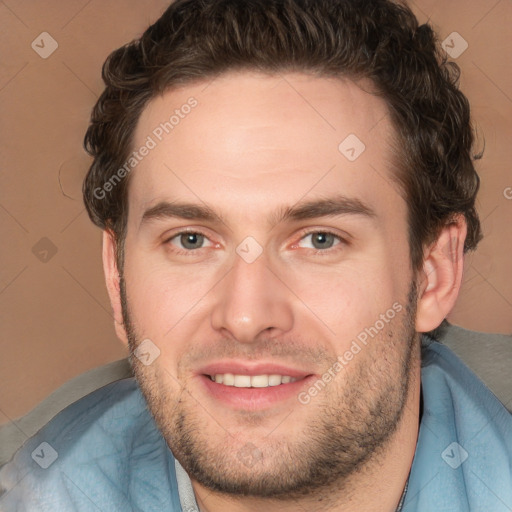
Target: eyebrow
column 326, row 207
column 189, row 211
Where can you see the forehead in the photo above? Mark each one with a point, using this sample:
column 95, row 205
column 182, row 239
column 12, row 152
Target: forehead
column 248, row 139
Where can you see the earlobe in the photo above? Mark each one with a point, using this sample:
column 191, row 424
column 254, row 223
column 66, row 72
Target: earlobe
column 112, row 280
column 441, row 276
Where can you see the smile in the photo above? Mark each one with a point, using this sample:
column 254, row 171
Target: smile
column 251, row 381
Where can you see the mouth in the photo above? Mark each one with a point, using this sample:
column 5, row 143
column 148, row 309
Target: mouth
column 251, row 381
column 245, row 386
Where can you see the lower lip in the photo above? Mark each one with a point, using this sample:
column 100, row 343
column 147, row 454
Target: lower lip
column 255, row 398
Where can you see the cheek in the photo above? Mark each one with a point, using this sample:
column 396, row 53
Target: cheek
column 162, row 299
column 344, row 302
column 160, row 310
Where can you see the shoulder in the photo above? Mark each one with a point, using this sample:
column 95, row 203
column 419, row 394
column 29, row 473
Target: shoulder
column 452, row 387
column 105, row 448
column 463, row 457
column 489, row 355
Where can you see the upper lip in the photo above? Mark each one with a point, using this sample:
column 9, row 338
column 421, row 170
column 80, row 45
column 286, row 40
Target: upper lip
column 252, row 368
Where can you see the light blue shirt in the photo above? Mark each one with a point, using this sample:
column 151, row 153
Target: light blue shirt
column 105, row 453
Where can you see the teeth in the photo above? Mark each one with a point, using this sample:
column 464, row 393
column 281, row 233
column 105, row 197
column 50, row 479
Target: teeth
column 254, row 381
column 242, row 381
column 228, row 379
column 259, row 381
column 274, row 380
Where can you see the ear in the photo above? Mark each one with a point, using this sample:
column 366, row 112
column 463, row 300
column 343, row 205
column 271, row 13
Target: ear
column 112, row 279
column 441, row 276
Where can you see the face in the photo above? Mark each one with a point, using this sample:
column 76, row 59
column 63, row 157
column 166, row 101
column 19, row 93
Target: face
column 267, row 262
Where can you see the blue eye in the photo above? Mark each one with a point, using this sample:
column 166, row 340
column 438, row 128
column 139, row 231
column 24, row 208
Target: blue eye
column 321, row 240
column 188, row 240
column 191, row 240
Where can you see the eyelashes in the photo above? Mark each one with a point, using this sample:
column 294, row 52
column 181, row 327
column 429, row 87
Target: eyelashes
column 325, row 235
column 180, row 242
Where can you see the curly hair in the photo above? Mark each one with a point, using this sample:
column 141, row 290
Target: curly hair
column 379, row 40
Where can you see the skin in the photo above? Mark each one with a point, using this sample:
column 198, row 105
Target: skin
column 351, row 447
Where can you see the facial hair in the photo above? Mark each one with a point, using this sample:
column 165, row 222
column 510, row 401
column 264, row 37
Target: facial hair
column 349, row 424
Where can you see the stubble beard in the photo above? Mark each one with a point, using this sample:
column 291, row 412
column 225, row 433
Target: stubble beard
column 349, row 425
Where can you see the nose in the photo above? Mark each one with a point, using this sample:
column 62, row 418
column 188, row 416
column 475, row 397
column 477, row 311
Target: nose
column 252, row 301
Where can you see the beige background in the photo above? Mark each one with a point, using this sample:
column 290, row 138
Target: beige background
column 56, row 320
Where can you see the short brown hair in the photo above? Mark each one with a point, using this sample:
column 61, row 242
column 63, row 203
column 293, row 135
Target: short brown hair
column 380, row 40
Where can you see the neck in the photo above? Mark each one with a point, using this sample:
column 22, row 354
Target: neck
column 377, row 487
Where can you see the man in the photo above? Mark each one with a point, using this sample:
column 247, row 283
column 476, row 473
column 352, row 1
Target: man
column 286, row 190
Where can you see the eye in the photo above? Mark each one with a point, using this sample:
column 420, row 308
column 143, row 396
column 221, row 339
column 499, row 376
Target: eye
column 320, row 240
column 188, row 241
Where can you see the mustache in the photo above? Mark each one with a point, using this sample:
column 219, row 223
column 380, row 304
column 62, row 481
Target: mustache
column 265, row 348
